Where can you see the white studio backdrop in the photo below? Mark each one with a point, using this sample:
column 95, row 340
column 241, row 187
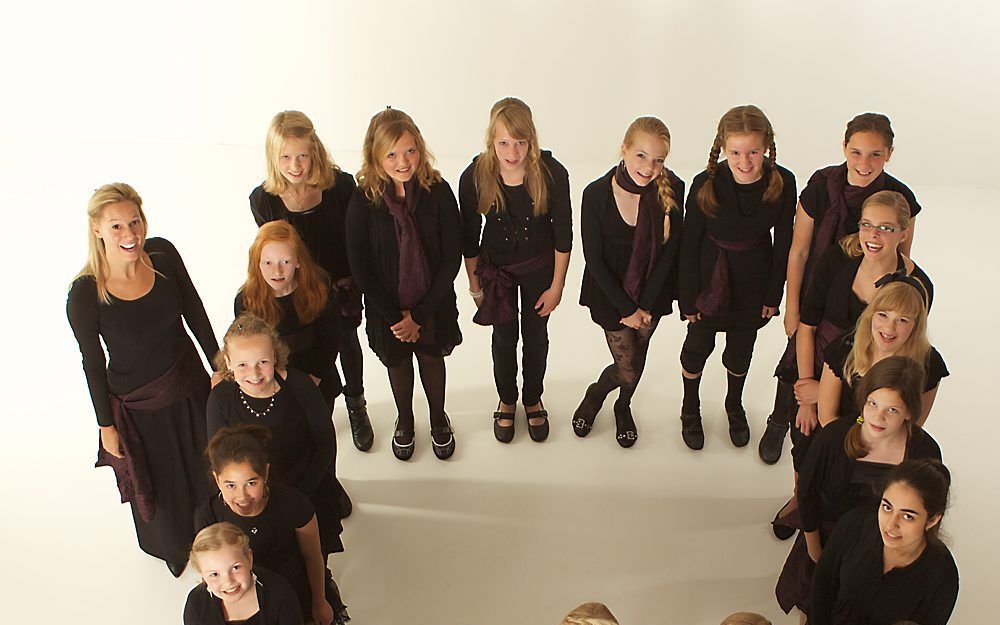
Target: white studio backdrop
column 175, row 99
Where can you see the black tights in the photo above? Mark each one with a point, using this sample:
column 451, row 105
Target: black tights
column 351, row 358
column 432, row 377
column 628, row 349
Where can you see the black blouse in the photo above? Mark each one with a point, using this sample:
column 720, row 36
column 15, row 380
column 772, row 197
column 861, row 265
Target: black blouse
column 607, row 248
column 144, row 337
column 849, row 587
column 275, row 596
column 516, row 234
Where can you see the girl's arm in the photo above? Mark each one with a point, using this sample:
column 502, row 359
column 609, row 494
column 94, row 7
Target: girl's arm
column 802, row 235
column 309, row 545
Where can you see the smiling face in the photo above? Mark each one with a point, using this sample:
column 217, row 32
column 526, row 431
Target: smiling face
column 242, row 488
column 644, row 158
column 251, row 360
column 295, row 160
column 121, row 229
column 278, row 262
column 866, row 154
column 876, row 242
column 227, row 572
column 511, row 151
column 903, row 519
column 402, row 160
column 745, row 156
column 885, row 414
column 890, row 331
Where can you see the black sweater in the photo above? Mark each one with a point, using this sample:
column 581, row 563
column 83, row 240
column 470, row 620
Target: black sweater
column 276, row 598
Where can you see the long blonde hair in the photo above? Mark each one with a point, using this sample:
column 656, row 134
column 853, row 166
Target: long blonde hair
column 653, row 127
column 295, row 125
column 851, row 244
column 591, row 613
column 516, row 116
column 97, row 256
column 384, row 130
column 746, row 618
column 903, row 299
column 217, row 536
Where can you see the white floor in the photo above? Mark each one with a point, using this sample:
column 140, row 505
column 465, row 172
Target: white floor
column 499, row 534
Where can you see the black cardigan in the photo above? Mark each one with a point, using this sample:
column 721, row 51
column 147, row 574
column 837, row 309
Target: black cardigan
column 279, row 605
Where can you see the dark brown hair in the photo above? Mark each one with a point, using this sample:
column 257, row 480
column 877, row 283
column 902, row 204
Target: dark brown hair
column 240, row 443
column 931, row 480
column 870, row 122
column 900, row 374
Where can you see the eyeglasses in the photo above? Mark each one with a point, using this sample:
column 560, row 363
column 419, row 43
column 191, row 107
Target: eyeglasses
column 884, row 229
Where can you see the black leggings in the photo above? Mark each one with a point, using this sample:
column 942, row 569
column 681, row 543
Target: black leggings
column 432, row 377
column 351, row 358
column 700, row 342
column 628, row 349
column 535, row 347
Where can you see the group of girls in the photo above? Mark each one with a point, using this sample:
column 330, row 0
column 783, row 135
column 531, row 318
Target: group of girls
column 393, row 238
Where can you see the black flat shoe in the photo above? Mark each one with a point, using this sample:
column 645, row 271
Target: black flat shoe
column 780, row 530
column 625, row 431
column 772, row 441
column 503, row 433
column 540, row 432
column 361, row 425
column 692, row 432
column 176, row 568
column 586, row 412
column 443, row 440
column 739, row 429
column 402, row 443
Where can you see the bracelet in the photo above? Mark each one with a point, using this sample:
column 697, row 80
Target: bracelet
column 477, row 295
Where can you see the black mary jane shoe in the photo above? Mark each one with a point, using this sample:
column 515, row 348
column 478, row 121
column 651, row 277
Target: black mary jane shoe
column 400, row 448
column 443, row 450
column 586, row 412
column 739, row 429
column 626, row 433
column 780, row 530
column 176, row 568
column 692, row 432
column 540, row 432
column 503, row 433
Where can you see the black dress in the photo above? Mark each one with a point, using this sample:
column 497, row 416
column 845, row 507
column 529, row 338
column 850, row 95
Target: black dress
column 279, row 605
column 849, row 587
column 303, row 447
column 273, row 539
column 374, row 256
column 607, row 248
column 145, row 338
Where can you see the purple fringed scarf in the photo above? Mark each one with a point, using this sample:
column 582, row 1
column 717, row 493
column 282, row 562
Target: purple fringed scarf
column 835, row 224
column 646, row 241
column 414, row 272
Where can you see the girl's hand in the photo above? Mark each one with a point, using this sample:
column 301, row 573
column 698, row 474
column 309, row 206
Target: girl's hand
column 548, row 301
column 769, row 311
column 407, row 330
column 807, row 391
column 695, row 318
column 647, row 318
column 791, row 320
column 806, row 419
column 322, row 612
column 633, row 321
column 110, row 441
column 814, row 552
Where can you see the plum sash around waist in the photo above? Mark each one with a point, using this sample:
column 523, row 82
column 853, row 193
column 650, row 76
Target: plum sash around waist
column 825, row 334
column 714, row 299
column 135, row 484
column 499, row 303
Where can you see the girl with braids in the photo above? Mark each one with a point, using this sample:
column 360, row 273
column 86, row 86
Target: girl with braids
column 404, row 244
column 847, row 464
column 278, row 519
column 890, row 566
column 731, row 274
column 149, row 392
column 894, row 324
column 260, row 389
column 631, row 224
column 829, row 209
column 523, row 193
column 232, row 589
column 305, row 188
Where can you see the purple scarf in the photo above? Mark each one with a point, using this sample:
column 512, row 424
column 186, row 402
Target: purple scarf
column 414, row 272
column 499, row 303
column 835, row 224
column 714, row 299
column 645, row 240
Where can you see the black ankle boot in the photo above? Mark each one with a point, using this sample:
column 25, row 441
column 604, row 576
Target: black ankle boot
column 739, row 429
column 361, row 426
column 773, row 438
column 692, row 432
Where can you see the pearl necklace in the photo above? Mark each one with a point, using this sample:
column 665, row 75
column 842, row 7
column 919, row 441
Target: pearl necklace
column 259, row 415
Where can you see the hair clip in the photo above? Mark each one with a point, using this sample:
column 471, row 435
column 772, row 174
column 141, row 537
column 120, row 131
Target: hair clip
column 239, row 326
column 861, row 420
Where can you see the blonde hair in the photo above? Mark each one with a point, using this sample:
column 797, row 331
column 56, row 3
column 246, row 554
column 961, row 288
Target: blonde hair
column 745, row 618
column 741, row 120
column 215, row 537
column 312, row 282
column 657, row 129
column 903, row 299
column 851, row 244
column 97, row 256
column 244, row 326
column 384, row 130
column 591, row 613
column 295, row 125
column 516, row 116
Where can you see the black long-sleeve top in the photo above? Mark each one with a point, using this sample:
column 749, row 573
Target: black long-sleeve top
column 303, row 442
column 515, row 233
column 757, row 277
column 276, row 599
column 849, row 587
column 831, row 293
column 145, row 336
column 321, row 228
column 828, row 487
column 374, row 255
column 607, row 248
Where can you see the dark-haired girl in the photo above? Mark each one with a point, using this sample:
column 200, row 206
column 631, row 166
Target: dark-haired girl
column 731, row 272
column 522, row 192
column 847, row 463
column 890, row 566
column 305, row 188
column 631, row 223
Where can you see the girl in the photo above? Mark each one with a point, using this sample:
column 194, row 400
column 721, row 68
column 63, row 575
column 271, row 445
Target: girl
column 847, row 464
column 523, row 192
column 890, row 566
column 260, row 389
column 404, row 247
column 631, row 222
column 828, row 210
column 894, row 324
column 232, row 589
column 279, row 520
column 149, row 394
column 731, row 275
column 306, row 189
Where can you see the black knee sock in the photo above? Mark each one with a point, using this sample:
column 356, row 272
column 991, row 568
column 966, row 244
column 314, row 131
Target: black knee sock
column 692, row 403
column 734, row 396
